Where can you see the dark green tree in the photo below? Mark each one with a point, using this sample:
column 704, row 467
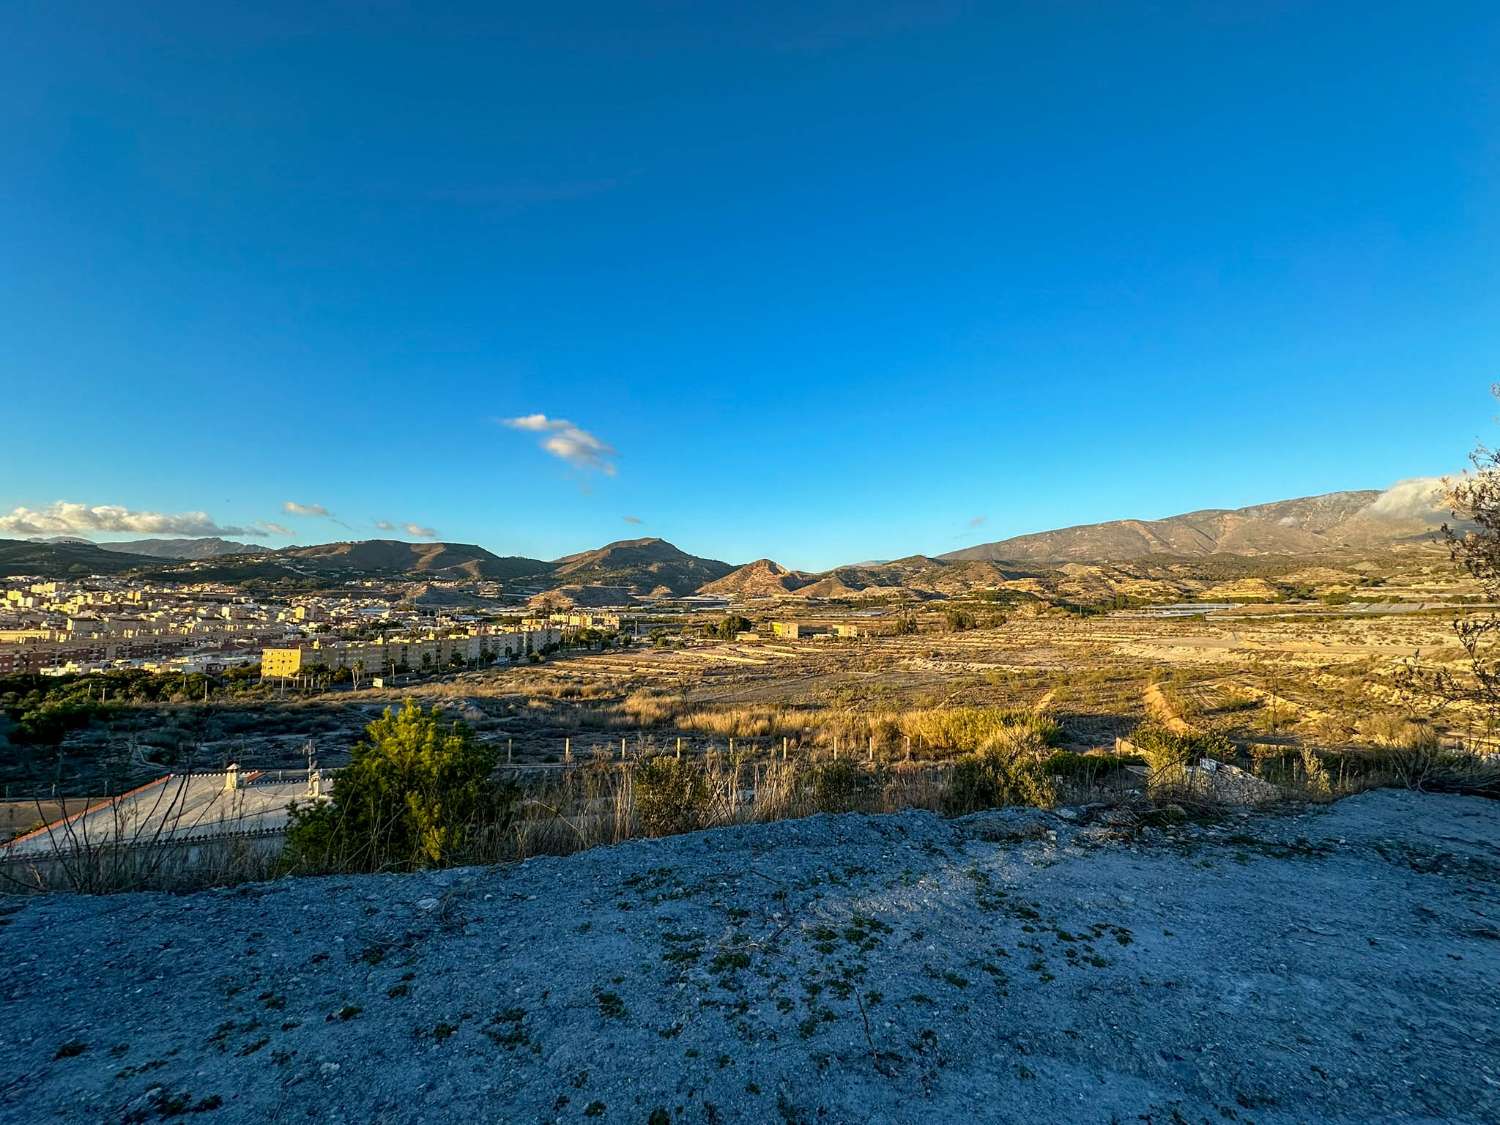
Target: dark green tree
column 417, row 793
column 731, row 626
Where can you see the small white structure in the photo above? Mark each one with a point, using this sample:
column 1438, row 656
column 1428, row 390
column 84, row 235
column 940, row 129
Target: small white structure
column 186, row 814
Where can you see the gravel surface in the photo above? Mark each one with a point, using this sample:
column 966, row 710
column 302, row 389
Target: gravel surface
column 1338, row 965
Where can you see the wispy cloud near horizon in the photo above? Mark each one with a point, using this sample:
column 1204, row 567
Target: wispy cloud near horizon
column 415, row 530
column 311, row 511
column 568, row 442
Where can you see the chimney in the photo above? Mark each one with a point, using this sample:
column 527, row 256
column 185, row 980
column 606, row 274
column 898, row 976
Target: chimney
column 232, row 776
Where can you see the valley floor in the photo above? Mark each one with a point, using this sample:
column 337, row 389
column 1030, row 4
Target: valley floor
column 1337, row 965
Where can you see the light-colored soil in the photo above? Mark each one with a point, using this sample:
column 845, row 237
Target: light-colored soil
column 1340, row 966
column 1161, row 711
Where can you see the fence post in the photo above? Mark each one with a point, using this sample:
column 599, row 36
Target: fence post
column 567, row 750
column 679, row 747
column 783, row 748
column 509, row 747
column 622, row 749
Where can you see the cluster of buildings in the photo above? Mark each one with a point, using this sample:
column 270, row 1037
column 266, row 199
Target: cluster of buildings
column 57, row 626
column 101, row 623
column 480, row 644
column 804, row 630
column 575, row 621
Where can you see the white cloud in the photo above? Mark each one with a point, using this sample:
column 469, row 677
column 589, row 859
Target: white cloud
column 416, row 530
column 64, row 517
column 1415, row 498
column 633, row 519
column 568, row 442
column 274, row 528
column 291, row 507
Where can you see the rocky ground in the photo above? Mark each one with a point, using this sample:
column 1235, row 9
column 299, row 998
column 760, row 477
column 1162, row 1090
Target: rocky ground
column 1338, row 965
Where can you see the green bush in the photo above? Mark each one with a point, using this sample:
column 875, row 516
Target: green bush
column 1172, row 755
column 1414, row 759
column 730, row 627
column 970, row 728
column 671, row 796
column 416, row 793
column 835, row 786
column 1089, row 769
column 49, row 723
column 997, row 776
column 1166, row 751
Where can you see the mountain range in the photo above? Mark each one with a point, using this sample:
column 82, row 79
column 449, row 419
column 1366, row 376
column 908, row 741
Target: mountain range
column 619, row 572
column 211, row 547
column 64, row 559
column 626, row 568
column 1307, row 526
column 204, row 548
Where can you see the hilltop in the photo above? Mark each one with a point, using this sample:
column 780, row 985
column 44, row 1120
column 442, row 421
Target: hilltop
column 437, row 560
column 917, row 577
column 1337, row 965
column 759, row 579
column 642, row 566
column 69, row 559
column 368, row 558
column 206, row 548
column 1307, row 526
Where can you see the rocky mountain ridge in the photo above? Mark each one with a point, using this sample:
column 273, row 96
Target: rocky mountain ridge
column 1308, row 525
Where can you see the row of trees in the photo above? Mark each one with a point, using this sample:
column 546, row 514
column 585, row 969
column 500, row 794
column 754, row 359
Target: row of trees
column 43, row 709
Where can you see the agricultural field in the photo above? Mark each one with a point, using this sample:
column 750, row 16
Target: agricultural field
column 1253, row 676
column 1262, row 676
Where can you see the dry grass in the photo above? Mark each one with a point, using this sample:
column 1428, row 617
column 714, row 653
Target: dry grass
column 879, row 726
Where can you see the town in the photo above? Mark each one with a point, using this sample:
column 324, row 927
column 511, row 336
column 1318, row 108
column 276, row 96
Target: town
column 97, row 624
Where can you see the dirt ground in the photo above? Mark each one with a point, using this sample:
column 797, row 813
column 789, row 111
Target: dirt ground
column 1337, row 965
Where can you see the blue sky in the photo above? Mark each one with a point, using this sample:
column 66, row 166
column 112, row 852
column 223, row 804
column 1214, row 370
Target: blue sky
column 823, row 282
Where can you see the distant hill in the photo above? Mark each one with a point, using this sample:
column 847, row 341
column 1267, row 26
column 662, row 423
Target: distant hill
column 370, row 558
column 760, row 579
column 916, row 576
column 207, row 548
column 392, row 556
column 645, row 566
column 60, row 560
column 579, row 597
column 1306, row 526
column 442, row 597
column 630, row 567
column 1131, row 558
